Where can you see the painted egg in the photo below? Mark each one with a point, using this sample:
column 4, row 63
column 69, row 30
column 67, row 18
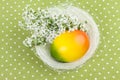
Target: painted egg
column 70, row 46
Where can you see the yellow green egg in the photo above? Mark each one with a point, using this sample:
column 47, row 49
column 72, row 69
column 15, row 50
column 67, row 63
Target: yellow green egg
column 70, row 46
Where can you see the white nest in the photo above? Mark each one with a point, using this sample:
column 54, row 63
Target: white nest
column 93, row 33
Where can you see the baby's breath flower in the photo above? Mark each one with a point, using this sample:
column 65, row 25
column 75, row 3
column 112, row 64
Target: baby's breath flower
column 45, row 27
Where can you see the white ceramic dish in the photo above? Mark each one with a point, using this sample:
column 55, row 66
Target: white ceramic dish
column 93, row 33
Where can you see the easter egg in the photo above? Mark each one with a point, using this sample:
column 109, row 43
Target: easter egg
column 70, row 46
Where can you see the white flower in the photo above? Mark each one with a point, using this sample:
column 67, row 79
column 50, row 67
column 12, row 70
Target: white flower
column 46, row 26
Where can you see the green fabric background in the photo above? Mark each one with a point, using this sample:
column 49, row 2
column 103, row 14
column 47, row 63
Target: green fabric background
column 19, row 63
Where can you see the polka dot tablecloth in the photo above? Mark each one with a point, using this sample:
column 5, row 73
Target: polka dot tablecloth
column 20, row 63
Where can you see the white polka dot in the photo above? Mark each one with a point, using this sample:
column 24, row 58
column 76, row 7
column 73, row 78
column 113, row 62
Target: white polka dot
column 81, row 75
column 41, row 75
column 104, row 77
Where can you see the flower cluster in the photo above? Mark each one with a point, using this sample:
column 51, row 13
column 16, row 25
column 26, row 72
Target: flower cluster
column 44, row 27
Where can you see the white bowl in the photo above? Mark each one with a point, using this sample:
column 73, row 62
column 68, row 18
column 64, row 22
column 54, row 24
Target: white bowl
column 93, row 33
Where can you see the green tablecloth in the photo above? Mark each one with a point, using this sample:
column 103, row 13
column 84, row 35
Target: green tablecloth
column 20, row 63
